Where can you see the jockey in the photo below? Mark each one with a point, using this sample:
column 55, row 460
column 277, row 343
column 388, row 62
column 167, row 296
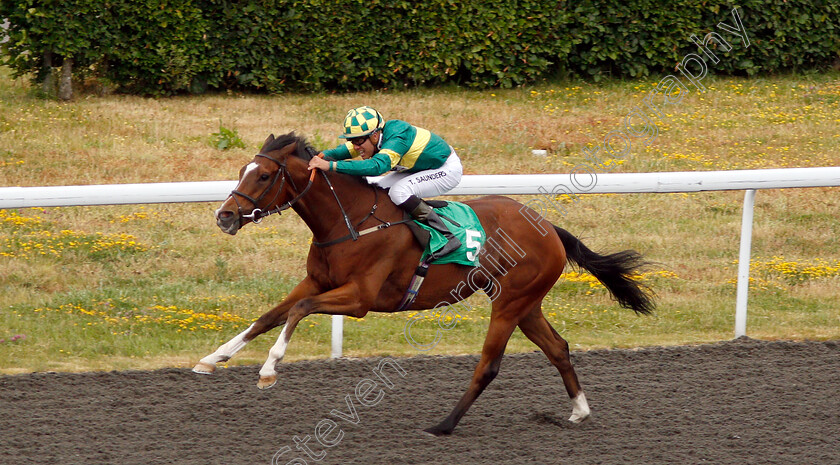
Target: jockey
column 423, row 164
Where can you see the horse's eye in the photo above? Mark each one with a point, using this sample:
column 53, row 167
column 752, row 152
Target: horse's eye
column 263, row 177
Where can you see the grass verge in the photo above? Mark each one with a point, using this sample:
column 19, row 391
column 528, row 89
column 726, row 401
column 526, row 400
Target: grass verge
column 129, row 287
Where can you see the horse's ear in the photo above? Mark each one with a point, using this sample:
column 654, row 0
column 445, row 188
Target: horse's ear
column 268, row 139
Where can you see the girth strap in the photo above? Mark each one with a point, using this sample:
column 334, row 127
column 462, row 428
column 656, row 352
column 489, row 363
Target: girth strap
column 359, row 234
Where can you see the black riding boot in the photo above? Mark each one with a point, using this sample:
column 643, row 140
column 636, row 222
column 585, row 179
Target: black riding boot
column 420, row 210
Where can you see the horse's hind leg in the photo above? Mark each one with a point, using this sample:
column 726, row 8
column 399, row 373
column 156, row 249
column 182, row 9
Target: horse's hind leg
column 540, row 332
column 498, row 335
column 266, row 322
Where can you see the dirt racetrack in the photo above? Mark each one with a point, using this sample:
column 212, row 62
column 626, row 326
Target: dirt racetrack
column 736, row 402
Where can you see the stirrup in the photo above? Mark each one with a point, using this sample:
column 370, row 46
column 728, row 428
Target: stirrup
column 414, row 286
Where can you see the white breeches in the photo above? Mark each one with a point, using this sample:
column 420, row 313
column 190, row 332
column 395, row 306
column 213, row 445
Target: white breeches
column 423, row 184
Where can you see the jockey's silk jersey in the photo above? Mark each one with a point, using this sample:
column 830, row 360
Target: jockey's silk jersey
column 402, row 147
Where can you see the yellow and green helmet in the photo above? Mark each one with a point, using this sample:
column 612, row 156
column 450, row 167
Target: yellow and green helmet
column 361, row 121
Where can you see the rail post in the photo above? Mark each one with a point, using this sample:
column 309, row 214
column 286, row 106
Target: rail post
column 337, row 335
column 744, row 264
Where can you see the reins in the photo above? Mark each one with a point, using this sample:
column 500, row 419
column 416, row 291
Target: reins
column 258, row 214
column 354, row 235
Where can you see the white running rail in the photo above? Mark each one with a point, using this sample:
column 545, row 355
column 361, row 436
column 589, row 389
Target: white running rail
column 580, row 182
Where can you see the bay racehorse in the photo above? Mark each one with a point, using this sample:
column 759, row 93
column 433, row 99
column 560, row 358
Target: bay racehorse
column 370, row 273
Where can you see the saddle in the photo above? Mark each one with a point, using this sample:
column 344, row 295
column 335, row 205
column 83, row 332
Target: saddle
column 472, row 236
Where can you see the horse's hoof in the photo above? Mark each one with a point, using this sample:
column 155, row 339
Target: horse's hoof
column 266, row 382
column 204, row 368
column 576, row 418
column 437, row 431
column 580, row 409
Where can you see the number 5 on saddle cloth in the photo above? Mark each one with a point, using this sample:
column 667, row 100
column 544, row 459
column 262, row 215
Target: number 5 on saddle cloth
column 464, row 224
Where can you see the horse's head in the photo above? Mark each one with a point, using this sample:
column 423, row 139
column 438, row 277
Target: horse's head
column 265, row 183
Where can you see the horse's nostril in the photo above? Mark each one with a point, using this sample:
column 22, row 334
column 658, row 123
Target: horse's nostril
column 223, row 215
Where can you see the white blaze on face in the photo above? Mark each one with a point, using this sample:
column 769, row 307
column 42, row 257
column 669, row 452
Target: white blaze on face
column 250, row 167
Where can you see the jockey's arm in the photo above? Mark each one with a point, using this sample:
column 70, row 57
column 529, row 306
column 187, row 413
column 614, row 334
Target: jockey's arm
column 374, row 166
column 342, row 152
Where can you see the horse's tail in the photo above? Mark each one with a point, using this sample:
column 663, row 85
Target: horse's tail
column 615, row 271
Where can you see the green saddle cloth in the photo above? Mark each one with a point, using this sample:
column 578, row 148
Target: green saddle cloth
column 468, row 230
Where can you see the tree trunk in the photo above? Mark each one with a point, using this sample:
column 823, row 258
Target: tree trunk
column 65, row 86
column 48, row 85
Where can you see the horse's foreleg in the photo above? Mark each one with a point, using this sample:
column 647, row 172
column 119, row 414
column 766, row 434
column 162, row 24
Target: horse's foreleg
column 498, row 335
column 207, row 365
column 344, row 300
column 540, row 332
column 268, row 375
column 266, row 322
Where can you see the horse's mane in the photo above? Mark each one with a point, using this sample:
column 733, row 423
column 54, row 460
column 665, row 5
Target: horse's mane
column 304, row 150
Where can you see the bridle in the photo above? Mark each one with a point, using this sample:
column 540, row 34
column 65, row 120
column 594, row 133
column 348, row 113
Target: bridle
column 257, row 214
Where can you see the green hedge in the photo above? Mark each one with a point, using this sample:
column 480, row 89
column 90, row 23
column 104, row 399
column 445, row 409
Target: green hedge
column 159, row 47
column 642, row 37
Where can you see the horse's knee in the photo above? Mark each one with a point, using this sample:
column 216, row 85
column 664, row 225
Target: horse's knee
column 560, row 351
column 488, row 373
column 264, row 323
column 561, row 343
column 260, row 325
column 564, row 364
column 298, row 312
column 360, row 312
column 488, row 376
